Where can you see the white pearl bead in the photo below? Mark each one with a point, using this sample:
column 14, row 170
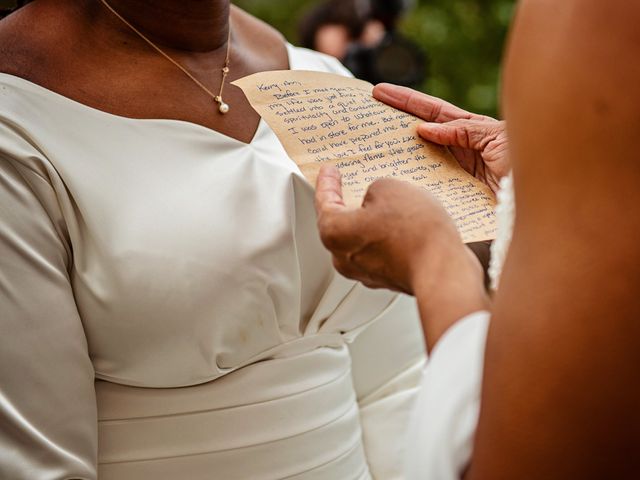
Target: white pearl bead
column 224, row 108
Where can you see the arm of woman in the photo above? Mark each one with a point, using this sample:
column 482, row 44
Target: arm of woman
column 47, row 400
column 561, row 391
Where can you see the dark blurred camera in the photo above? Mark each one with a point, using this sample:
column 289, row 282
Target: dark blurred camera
column 389, row 11
column 394, row 60
column 385, row 56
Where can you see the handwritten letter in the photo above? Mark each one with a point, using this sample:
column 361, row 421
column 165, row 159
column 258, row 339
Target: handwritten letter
column 325, row 118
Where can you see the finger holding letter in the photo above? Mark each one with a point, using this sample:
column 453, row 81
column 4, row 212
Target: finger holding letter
column 426, row 107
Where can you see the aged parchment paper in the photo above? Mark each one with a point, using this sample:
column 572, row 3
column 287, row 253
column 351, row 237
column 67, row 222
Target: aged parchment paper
column 325, row 118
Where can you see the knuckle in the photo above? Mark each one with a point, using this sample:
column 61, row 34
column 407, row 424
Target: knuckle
column 462, row 136
column 381, row 184
column 375, row 190
column 325, row 212
column 420, row 104
column 327, row 229
column 342, row 266
column 410, row 101
column 372, row 191
column 375, row 187
column 334, row 234
column 436, row 109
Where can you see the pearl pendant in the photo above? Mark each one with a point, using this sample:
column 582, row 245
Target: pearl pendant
column 223, row 108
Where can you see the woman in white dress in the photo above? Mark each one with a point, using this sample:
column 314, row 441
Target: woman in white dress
column 558, row 398
column 166, row 305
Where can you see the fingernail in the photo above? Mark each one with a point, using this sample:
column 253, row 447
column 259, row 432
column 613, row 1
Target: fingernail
column 387, row 91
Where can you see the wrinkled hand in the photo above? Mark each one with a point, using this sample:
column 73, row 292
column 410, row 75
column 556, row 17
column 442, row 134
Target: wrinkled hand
column 479, row 143
column 388, row 242
column 402, row 239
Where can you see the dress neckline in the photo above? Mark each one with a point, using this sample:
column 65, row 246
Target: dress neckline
column 25, row 84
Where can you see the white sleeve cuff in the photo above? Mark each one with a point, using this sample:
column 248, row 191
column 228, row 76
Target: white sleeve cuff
column 443, row 422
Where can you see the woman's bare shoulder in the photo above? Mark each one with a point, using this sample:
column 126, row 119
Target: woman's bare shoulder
column 248, row 22
column 264, row 41
column 30, row 41
column 15, row 42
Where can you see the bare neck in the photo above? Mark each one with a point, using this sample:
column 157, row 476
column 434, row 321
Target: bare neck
column 190, row 25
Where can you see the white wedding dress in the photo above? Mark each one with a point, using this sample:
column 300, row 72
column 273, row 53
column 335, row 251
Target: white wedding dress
column 168, row 311
column 443, row 422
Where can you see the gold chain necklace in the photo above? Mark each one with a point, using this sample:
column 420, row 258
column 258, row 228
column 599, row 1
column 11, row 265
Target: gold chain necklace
column 222, row 106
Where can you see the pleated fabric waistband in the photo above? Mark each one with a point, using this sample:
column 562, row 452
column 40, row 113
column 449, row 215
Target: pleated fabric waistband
column 293, row 417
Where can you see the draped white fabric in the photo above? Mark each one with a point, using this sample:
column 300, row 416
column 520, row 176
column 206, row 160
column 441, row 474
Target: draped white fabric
column 139, row 256
column 440, row 438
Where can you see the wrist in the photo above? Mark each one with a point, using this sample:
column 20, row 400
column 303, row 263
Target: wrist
column 448, row 283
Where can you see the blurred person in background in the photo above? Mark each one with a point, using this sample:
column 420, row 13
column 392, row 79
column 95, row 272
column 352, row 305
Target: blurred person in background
column 362, row 34
column 330, row 27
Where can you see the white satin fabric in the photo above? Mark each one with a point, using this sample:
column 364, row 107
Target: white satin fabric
column 445, row 415
column 168, row 311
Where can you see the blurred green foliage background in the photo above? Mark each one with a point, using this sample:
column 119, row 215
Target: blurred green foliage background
column 464, row 40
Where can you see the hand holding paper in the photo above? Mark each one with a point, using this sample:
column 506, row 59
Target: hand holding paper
column 325, row 118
